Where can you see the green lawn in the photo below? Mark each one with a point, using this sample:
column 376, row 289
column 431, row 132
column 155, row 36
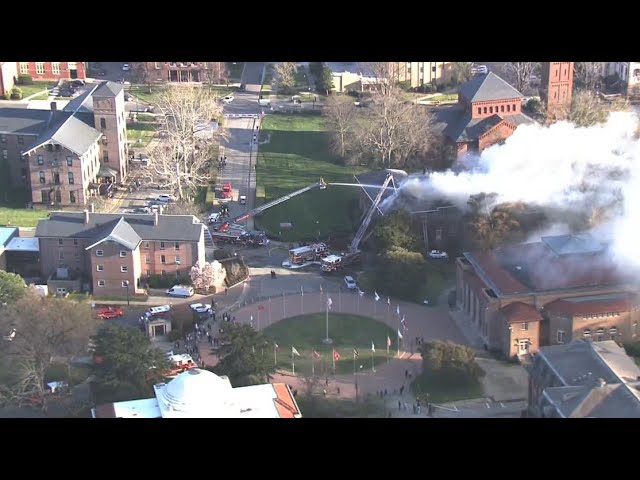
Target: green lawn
column 36, row 87
column 429, row 392
column 441, row 274
column 296, row 156
column 265, row 89
column 321, row 407
column 141, row 133
column 21, row 217
column 443, row 97
column 152, row 95
column 235, row 70
column 306, row 332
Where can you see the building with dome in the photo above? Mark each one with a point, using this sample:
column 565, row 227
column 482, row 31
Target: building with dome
column 200, row 393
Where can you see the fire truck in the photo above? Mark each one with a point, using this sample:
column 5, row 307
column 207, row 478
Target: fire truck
column 309, row 253
column 179, row 363
column 226, row 190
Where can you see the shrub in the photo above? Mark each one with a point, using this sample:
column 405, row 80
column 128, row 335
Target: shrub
column 16, row 93
column 167, row 281
column 447, row 363
column 25, row 79
column 632, row 349
column 7, row 95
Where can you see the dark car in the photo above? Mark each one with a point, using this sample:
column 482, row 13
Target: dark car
column 77, row 83
column 102, row 73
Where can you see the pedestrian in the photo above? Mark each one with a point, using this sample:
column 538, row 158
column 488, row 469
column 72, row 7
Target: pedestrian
column 338, row 389
column 399, row 405
column 406, row 407
column 233, row 319
column 415, row 409
column 406, row 374
column 324, row 392
column 203, row 365
column 326, row 381
column 418, row 409
column 402, row 390
column 385, row 392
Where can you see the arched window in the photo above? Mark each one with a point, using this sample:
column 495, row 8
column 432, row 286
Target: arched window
column 508, row 108
column 501, row 108
column 485, row 109
column 479, row 110
column 490, row 109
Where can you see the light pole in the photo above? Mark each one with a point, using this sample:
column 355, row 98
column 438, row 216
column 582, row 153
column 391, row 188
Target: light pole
column 126, row 282
column 253, row 129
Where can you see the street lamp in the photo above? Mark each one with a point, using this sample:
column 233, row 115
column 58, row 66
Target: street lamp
column 126, row 283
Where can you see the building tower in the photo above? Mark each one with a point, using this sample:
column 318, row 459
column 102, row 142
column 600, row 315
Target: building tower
column 109, row 118
column 557, row 88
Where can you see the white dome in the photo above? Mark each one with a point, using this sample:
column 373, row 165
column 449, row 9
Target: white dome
column 195, row 389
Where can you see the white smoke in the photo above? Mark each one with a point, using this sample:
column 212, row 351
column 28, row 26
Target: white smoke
column 565, row 167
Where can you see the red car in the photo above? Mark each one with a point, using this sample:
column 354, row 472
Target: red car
column 110, row 312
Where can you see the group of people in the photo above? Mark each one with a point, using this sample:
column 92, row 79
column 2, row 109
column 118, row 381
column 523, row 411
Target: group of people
column 222, row 162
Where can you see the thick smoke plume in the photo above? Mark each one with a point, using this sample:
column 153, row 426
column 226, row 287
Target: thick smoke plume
column 593, row 172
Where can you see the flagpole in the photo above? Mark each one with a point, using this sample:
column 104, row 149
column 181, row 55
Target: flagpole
column 293, row 363
column 355, row 373
column 398, row 343
column 333, row 359
column 358, row 300
column 340, row 298
column 275, row 354
column 313, row 364
column 284, row 306
column 301, row 300
column 375, row 306
column 269, row 310
column 373, row 366
column 258, row 317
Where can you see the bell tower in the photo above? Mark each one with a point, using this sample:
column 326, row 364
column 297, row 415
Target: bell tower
column 557, row 88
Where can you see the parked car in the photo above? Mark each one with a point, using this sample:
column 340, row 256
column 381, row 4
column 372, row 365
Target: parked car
column 200, row 308
column 214, row 217
column 350, row 283
column 163, row 198
column 110, row 312
column 180, row 291
column 142, row 210
column 438, row 254
column 77, row 83
column 243, row 199
column 126, row 67
column 11, row 335
column 228, row 99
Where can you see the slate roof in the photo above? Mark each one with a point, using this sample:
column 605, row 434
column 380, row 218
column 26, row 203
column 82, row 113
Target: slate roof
column 518, row 312
column 118, row 231
column 594, row 304
column 73, row 134
column 83, row 102
column 488, row 87
column 499, row 279
column 24, row 121
column 573, row 244
column 108, row 90
column 169, row 228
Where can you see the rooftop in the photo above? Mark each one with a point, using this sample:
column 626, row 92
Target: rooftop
column 23, row 244
column 573, row 244
column 6, row 233
column 594, row 304
column 488, row 87
column 518, row 312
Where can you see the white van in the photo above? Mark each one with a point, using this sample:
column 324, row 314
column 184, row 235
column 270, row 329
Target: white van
column 180, row 291
column 158, row 310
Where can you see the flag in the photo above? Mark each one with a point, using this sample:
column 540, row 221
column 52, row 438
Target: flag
column 360, row 292
column 399, row 334
column 398, row 309
column 373, row 347
column 253, row 348
column 388, row 341
column 389, row 301
column 320, row 288
column 329, row 302
column 301, row 290
column 402, row 321
column 377, row 297
column 295, row 352
column 355, row 352
column 336, row 355
column 316, row 354
column 251, row 319
column 276, row 346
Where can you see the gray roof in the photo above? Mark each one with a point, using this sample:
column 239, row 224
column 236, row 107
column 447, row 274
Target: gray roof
column 460, row 127
column 488, row 87
column 108, row 90
column 72, row 133
column 169, row 228
column 83, row 102
column 606, row 401
column 573, row 244
column 118, row 231
column 24, row 121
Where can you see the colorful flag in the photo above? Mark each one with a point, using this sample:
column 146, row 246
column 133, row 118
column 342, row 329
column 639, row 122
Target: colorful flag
column 260, row 308
column 377, row 297
column 355, row 352
column 360, row 292
column 398, row 309
column 336, row 355
column 389, row 301
column 253, row 348
column 388, row 341
column 316, row 354
column 373, row 347
column 329, row 302
column 295, row 352
column 399, row 335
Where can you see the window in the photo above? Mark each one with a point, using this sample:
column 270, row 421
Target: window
column 5, row 154
column 156, row 65
column 101, row 283
column 524, row 326
column 71, row 179
column 613, row 332
column 508, row 108
column 69, row 162
column 485, row 110
column 42, row 177
column 99, row 253
column 514, row 108
column 146, row 244
column 148, row 273
column 600, row 334
column 176, row 245
column 58, row 196
column 123, row 253
column 161, row 245
column 40, row 68
column 163, row 259
column 501, row 108
column 103, row 123
column 479, row 110
column 45, row 196
column 99, row 268
column 50, row 147
column 3, row 139
column 125, row 284
column 75, row 242
column 560, row 336
column 105, row 156
column 490, row 109
column 587, row 334
column 147, row 259
column 60, row 242
column 55, row 68
column 20, row 140
column 24, row 68
column 634, row 329
column 124, row 269
column 61, row 254
column 40, row 160
column 177, row 260
column 163, row 272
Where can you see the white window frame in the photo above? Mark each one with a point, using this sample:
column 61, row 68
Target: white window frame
column 39, row 68
column 123, row 253
column 55, row 68
column 560, row 336
column 24, row 68
column 163, row 259
column 99, row 268
column 101, row 283
column 125, row 283
column 99, row 253
column 124, row 269
column 177, row 259
column 524, row 326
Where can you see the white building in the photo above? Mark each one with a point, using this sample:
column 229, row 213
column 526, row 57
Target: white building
column 199, row 393
column 629, row 74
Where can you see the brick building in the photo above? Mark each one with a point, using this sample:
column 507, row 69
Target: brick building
column 555, row 291
column 182, row 72
column 111, row 251
column 62, row 156
column 488, row 111
column 584, row 380
column 53, row 71
column 557, row 88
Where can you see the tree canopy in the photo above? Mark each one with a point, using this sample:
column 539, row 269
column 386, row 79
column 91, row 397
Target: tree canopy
column 446, row 363
column 12, row 287
column 394, row 231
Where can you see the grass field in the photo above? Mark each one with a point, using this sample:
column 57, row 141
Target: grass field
column 297, row 155
column 306, row 332
column 429, row 392
column 152, row 96
column 441, row 274
column 141, row 133
column 28, row 90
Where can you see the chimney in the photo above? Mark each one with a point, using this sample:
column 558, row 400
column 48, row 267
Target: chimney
column 93, row 208
column 54, row 106
column 155, row 219
column 86, row 217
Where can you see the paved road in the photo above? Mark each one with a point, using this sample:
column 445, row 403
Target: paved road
column 252, row 76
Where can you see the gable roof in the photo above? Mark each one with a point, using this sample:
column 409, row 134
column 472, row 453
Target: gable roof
column 118, row 231
column 179, row 228
column 573, row 244
column 107, row 90
column 488, row 87
column 593, row 304
column 74, row 134
column 499, row 279
column 519, row 312
column 24, row 121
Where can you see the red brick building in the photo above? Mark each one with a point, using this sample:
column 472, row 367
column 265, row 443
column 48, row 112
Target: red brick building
column 182, row 72
column 52, row 71
column 557, row 88
column 488, row 111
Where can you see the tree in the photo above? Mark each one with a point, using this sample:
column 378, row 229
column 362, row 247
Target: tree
column 587, row 109
column 324, row 81
column 182, row 159
column 140, row 74
column 587, row 75
column 395, row 133
column 217, row 73
column 127, row 364
column 519, row 74
column 446, row 363
column 340, row 113
column 285, row 74
column 12, row 287
column 384, row 81
column 206, row 275
column 400, row 273
column 394, row 231
column 490, row 230
column 48, row 330
column 245, row 355
column 461, row 72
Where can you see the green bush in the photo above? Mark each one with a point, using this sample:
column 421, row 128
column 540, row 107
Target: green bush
column 167, row 281
column 16, row 93
column 25, row 79
column 6, row 95
column 632, row 349
column 446, row 363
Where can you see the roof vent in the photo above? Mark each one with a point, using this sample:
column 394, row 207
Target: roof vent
column 601, row 382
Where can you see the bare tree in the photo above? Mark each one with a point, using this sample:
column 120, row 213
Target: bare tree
column 206, row 275
column 285, row 74
column 217, row 73
column 588, row 74
column 461, row 72
column 519, row 73
column 182, row 159
column 340, row 113
column 140, row 74
column 587, row 109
